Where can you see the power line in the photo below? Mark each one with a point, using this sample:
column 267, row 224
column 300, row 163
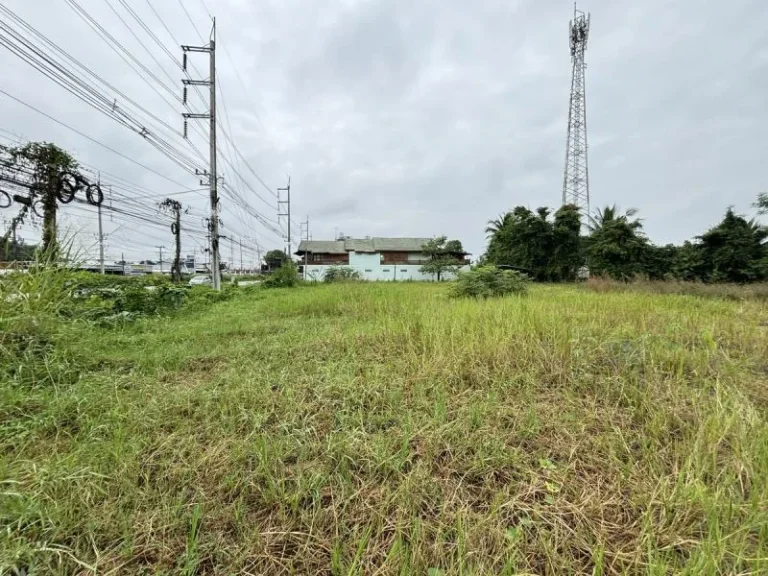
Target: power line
column 76, row 131
column 191, row 21
column 57, row 49
column 118, row 47
column 73, row 84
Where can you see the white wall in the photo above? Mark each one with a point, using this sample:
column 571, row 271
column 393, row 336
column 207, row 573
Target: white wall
column 364, row 260
column 379, row 272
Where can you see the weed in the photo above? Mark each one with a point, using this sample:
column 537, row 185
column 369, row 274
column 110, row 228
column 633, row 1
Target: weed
column 341, row 274
column 385, row 428
column 286, row 276
column 489, row 281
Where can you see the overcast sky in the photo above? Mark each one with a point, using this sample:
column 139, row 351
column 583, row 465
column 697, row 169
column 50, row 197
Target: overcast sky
column 403, row 118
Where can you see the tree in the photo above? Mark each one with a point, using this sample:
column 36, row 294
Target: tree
column 566, row 255
column 17, row 250
column 275, row 259
column 688, row 262
column 46, row 163
column 762, row 203
column 734, row 250
column 616, row 245
column 444, row 256
column 454, row 247
column 523, row 239
column 496, row 226
column 658, row 262
column 609, row 214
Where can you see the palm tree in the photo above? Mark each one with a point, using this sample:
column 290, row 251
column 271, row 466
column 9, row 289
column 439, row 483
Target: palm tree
column 498, row 225
column 762, row 203
column 608, row 214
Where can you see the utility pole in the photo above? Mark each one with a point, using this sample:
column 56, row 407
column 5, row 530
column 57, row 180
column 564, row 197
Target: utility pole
column 122, row 259
column 305, row 236
column 231, row 255
column 241, row 257
column 174, row 206
column 211, row 116
column 161, row 257
column 287, row 201
column 101, row 241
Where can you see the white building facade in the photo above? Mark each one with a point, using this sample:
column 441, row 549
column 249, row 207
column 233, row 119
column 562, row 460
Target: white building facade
column 374, row 259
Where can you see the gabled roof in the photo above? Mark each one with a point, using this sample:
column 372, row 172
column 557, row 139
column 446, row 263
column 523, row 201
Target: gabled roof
column 400, row 244
column 322, row 246
column 363, row 245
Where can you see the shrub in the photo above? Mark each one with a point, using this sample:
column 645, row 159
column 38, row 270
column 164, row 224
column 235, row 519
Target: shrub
column 341, row 274
column 488, row 281
column 286, row 276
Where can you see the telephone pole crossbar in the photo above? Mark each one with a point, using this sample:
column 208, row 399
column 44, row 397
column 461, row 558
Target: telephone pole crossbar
column 213, row 224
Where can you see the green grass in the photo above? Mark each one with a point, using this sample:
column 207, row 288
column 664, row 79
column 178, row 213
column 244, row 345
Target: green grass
column 387, row 429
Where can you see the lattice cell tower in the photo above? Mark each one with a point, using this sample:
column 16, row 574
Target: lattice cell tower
column 576, row 178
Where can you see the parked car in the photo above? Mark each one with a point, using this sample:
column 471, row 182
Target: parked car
column 200, row 281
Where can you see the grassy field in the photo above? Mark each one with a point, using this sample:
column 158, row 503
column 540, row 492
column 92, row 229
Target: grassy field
column 386, row 429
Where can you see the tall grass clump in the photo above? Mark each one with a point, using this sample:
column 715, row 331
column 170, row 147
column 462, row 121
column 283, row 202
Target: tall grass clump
column 31, row 306
column 488, row 282
column 341, row 274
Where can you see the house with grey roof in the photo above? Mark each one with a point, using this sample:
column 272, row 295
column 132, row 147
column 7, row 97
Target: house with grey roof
column 373, row 258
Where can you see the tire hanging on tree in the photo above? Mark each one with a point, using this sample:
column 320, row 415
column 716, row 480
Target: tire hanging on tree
column 8, row 200
column 68, row 185
column 94, row 195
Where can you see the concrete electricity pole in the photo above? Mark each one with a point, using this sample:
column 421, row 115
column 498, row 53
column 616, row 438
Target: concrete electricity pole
column 287, row 201
column 305, row 236
column 231, row 255
column 211, row 174
column 101, row 241
column 161, row 257
column 241, row 257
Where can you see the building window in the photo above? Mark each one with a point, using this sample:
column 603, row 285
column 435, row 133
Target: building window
column 385, row 270
column 403, row 270
column 369, row 270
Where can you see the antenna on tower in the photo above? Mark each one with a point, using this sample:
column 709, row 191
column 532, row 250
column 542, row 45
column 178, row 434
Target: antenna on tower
column 576, row 176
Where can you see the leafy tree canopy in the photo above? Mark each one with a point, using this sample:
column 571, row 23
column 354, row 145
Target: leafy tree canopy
column 735, row 250
column 443, row 256
column 275, row 259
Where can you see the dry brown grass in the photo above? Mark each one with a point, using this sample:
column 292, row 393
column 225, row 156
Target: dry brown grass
column 757, row 291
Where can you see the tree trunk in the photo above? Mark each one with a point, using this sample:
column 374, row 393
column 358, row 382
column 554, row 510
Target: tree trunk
column 177, row 259
column 49, row 215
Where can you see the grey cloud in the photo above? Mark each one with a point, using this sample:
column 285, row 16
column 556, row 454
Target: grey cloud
column 419, row 118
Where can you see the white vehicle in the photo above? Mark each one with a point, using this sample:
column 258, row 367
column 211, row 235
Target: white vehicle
column 200, row 281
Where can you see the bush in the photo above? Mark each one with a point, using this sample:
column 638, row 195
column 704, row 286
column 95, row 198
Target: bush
column 341, row 274
column 286, row 276
column 489, row 281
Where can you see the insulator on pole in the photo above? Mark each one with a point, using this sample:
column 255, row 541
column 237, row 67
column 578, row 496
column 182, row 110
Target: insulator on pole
column 184, row 62
column 185, row 129
column 185, row 94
